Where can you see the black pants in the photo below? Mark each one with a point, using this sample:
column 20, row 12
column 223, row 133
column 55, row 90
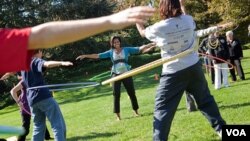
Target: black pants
column 26, row 125
column 168, row 96
column 237, row 64
column 212, row 75
column 190, row 102
column 129, row 86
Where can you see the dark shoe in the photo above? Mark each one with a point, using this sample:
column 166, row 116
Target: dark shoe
column 192, row 110
column 48, row 138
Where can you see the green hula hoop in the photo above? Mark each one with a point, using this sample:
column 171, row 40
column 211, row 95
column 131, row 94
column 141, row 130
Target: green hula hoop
column 101, row 76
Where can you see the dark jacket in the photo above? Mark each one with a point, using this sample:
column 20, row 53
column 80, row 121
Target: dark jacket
column 221, row 51
column 203, row 46
column 235, row 49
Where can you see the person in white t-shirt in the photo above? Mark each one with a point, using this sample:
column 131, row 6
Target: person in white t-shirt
column 174, row 34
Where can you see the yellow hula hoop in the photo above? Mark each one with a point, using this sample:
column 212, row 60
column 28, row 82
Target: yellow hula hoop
column 148, row 66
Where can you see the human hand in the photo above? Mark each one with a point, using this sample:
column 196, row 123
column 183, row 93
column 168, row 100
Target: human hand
column 148, row 47
column 67, row 63
column 226, row 25
column 131, row 16
column 80, row 57
column 20, row 104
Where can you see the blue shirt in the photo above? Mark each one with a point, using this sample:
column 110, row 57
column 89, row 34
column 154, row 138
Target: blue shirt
column 33, row 78
column 126, row 50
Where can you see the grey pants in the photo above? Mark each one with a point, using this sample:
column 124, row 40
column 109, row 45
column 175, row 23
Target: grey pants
column 169, row 94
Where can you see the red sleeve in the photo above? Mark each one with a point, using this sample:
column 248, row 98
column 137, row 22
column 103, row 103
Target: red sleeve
column 14, row 54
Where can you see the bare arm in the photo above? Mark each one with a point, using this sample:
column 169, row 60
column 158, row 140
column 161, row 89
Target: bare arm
column 92, row 56
column 14, row 91
column 146, row 48
column 57, row 33
column 183, row 9
column 204, row 32
column 141, row 29
column 52, row 64
column 7, row 75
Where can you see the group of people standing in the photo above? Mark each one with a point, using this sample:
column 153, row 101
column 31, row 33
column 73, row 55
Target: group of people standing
column 174, row 34
column 226, row 49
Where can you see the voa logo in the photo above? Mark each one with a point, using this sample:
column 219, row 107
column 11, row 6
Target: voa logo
column 236, row 132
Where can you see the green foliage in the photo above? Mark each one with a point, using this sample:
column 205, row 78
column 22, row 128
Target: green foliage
column 246, row 46
column 5, row 87
column 22, row 13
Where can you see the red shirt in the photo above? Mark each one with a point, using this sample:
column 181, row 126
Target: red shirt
column 14, row 54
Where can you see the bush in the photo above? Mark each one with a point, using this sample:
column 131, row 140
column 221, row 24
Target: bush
column 246, row 46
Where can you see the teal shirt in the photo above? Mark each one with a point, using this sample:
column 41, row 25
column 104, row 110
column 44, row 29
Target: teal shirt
column 127, row 51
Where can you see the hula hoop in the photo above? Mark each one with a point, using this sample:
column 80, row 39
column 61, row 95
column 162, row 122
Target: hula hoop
column 69, row 86
column 11, row 130
column 25, row 110
column 216, row 58
column 148, row 66
column 100, row 76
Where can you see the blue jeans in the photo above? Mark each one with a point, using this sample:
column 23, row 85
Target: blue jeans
column 169, row 94
column 50, row 109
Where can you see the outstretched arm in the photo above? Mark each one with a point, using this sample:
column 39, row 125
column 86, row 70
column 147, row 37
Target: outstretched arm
column 57, row 33
column 146, row 48
column 92, row 56
column 52, row 64
column 204, row 32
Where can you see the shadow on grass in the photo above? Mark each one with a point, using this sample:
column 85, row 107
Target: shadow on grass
column 145, row 80
column 235, row 105
column 140, row 116
column 83, row 94
column 240, row 83
column 92, row 136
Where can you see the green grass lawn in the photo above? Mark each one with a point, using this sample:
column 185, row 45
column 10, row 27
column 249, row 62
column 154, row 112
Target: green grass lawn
column 89, row 112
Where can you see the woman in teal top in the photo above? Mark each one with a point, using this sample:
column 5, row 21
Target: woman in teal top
column 119, row 57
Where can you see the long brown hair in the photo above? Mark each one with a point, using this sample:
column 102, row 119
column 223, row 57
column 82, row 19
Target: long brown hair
column 170, row 8
column 112, row 40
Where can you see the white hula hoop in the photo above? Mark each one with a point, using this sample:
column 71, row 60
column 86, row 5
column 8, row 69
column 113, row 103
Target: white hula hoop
column 69, row 86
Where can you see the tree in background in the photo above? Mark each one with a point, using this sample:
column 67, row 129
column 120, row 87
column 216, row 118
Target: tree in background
column 237, row 11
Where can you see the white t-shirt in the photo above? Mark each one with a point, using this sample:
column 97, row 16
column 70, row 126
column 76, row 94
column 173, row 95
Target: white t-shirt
column 119, row 67
column 173, row 36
